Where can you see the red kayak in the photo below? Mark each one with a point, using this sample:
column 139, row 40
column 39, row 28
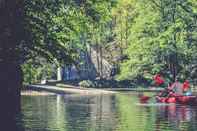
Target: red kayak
column 178, row 99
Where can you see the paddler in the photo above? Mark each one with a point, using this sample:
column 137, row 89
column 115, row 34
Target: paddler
column 158, row 79
column 186, row 88
column 176, row 87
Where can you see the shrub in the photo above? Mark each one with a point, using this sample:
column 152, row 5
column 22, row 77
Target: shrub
column 86, row 83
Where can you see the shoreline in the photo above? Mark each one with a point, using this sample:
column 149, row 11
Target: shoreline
column 67, row 90
column 70, row 89
column 35, row 93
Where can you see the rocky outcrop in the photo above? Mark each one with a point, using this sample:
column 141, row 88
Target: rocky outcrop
column 92, row 66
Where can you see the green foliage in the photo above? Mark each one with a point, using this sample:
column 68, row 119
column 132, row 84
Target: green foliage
column 162, row 39
column 34, row 72
column 54, row 29
column 86, row 83
column 50, row 33
column 139, row 37
column 30, row 73
column 60, row 30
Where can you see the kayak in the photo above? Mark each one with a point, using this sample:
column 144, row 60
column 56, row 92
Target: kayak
column 187, row 99
column 178, row 99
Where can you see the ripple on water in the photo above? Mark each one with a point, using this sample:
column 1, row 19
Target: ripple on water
column 103, row 113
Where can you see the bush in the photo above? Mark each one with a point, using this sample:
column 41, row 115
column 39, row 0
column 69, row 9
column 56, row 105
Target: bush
column 86, row 83
column 106, row 84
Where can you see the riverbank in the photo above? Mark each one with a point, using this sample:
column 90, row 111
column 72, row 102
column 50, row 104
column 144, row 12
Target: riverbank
column 35, row 93
column 152, row 89
column 70, row 89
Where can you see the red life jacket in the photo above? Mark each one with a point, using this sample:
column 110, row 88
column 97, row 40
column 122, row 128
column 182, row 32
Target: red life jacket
column 158, row 80
column 186, row 85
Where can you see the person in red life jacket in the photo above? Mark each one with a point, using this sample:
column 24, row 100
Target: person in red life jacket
column 186, row 87
column 158, row 80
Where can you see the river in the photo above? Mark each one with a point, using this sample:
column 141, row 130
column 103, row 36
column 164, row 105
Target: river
column 116, row 112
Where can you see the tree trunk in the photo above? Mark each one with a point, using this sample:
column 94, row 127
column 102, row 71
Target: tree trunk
column 59, row 73
column 101, row 62
column 89, row 62
column 11, row 14
column 175, row 41
column 126, row 30
column 174, row 72
column 121, row 39
column 11, row 83
column 97, row 58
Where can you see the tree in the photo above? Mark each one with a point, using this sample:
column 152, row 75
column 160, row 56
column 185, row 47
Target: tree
column 160, row 40
column 11, row 34
column 48, row 29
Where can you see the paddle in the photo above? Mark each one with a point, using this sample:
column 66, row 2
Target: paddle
column 145, row 99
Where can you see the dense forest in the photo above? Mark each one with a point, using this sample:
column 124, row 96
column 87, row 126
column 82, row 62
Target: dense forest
column 139, row 37
column 161, row 38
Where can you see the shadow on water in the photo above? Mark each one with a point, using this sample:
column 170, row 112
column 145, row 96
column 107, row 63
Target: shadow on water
column 10, row 120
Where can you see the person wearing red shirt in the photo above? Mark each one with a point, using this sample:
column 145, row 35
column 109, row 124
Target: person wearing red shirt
column 186, row 86
column 158, row 80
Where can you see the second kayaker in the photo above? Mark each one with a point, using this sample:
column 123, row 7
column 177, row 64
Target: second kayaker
column 176, row 87
column 186, row 88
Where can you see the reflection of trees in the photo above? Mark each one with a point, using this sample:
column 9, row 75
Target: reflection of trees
column 78, row 112
column 44, row 113
column 57, row 114
column 157, row 118
column 90, row 113
column 103, row 113
column 132, row 117
column 69, row 113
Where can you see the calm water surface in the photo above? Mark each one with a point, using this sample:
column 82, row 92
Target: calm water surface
column 121, row 112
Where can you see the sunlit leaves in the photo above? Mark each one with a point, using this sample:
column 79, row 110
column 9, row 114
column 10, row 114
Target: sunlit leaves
column 162, row 33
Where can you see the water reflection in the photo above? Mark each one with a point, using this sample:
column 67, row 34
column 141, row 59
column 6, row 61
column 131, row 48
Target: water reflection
column 103, row 113
column 176, row 113
column 94, row 113
column 179, row 117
